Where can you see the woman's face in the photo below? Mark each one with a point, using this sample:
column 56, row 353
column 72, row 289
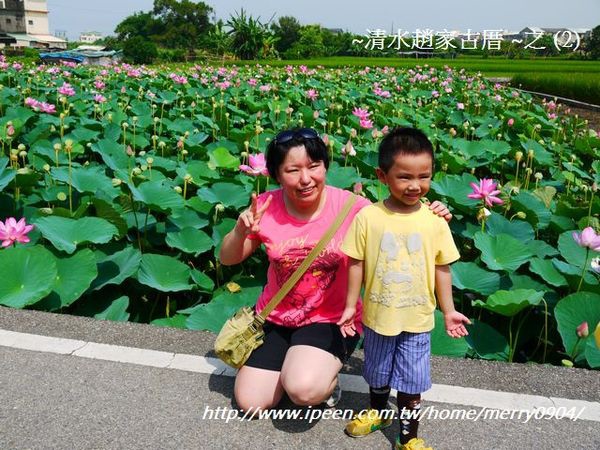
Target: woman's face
column 301, row 178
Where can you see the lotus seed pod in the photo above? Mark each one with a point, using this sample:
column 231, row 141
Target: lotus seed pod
column 142, row 153
column 46, row 167
column 46, row 211
column 188, row 178
column 116, row 182
column 184, row 152
column 220, row 207
column 538, row 176
column 61, row 196
column 144, row 167
column 21, row 147
column 136, row 171
column 125, row 125
column 150, row 161
column 22, row 153
column 178, row 189
column 519, row 156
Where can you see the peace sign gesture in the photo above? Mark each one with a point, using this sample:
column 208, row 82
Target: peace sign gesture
column 248, row 221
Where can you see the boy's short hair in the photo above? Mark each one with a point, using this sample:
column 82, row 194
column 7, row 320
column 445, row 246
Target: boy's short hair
column 402, row 140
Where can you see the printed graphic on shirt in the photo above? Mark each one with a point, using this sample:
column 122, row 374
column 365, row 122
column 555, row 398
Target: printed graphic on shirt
column 401, row 270
column 308, row 293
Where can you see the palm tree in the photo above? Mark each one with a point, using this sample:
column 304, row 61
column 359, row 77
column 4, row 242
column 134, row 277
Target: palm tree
column 248, row 35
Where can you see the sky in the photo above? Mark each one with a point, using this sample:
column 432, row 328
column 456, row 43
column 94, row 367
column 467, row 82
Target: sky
column 76, row 16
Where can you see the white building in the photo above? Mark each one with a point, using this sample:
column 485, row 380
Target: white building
column 26, row 21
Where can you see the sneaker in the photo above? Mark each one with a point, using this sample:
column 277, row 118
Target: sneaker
column 413, row 444
column 366, row 422
column 335, row 396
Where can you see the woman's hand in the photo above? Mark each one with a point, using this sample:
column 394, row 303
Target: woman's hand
column 249, row 220
column 441, row 210
column 346, row 322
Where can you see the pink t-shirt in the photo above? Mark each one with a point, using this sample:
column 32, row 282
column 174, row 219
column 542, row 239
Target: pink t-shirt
column 320, row 295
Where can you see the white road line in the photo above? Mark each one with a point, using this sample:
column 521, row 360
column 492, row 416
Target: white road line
column 441, row 393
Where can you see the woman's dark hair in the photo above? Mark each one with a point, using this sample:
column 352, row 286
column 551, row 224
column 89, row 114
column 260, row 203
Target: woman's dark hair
column 407, row 141
column 281, row 144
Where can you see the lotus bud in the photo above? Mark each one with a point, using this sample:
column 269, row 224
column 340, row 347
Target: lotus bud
column 46, row 167
column 178, row 189
column 220, row 207
column 136, row 171
column 68, row 145
column 116, row 182
column 521, row 215
column 583, row 330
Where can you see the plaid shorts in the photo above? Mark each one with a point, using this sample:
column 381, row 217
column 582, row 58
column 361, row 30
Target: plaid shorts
column 401, row 362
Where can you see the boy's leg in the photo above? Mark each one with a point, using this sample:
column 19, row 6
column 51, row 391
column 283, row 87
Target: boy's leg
column 377, row 370
column 411, row 377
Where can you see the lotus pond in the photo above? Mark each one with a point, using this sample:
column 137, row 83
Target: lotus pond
column 131, row 176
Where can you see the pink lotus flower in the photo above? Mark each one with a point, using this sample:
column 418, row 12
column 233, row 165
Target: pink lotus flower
column 66, row 89
column 312, row 94
column 12, row 231
column 252, row 81
column 588, row 238
column 258, row 165
column 486, row 191
column 99, row 98
column 366, row 123
column 357, row 188
column 583, row 330
column 510, row 122
column 460, row 106
column 362, row 114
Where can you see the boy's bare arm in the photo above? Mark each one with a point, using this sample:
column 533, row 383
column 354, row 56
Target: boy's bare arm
column 453, row 320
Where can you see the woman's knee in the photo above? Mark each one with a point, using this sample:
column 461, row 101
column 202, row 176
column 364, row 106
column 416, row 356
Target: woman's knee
column 306, row 390
column 257, row 389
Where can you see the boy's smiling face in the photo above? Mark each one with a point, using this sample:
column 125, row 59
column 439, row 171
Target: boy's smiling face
column 408, row 180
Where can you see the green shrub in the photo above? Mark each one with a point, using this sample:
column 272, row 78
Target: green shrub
column 138, row 50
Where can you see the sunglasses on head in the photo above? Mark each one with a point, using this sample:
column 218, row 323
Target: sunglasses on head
column 288, row 135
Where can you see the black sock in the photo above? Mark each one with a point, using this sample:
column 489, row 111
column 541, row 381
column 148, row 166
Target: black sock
column 408, row 407
column 379, row 397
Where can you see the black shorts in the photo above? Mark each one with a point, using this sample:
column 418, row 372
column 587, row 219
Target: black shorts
column 278, row 339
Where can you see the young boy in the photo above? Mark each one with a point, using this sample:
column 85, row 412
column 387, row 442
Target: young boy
column 402, row 251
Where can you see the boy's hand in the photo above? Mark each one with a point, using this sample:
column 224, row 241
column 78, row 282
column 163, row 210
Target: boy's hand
column 454, row 322
column 346, row 322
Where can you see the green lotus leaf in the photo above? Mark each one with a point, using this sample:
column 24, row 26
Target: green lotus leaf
column 66, row 234
column 228, row 194
column 592, row 353
column 190, row 240
column 545, row 269
column 177, row 321
column 204, row 282
column 526, row 282
column 502, row 252
column 86, row 179
column 444, row 345
column 212, row 315
column 82, row 134
column 117, row 311
column 189, row 218
column 157, row 195
column 6, row 174
column 199, row 171
column 498, row 224
column 113, row 154
column 456, row 188
column 74, row 276
column 469, row 276
column 221, row 158
column 107, row 211
column 164, row 273
column 117, row 267
column 487, row 342
column 541, row 249
column 572, row 252
column 538, row 215
column 28, row 275
column 219, row 231
column 570, row 312
column 342, row 177
column 509, row 303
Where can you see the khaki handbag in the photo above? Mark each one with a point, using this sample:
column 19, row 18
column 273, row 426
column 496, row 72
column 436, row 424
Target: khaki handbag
column 243, row 332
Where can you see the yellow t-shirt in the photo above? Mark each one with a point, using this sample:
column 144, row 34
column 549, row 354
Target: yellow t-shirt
column 400, row 252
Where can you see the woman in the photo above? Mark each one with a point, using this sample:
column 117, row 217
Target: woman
column 303, row 350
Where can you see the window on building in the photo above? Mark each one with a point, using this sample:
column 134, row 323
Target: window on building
column 30, row 22
column 8, row 21
column 2, row 4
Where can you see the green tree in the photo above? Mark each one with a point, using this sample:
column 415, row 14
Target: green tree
column 310, row 44
column 287, row 31
column 592, row 43
column 139, row 50
column 139, row 24
column 248, row 35
column 184, row 22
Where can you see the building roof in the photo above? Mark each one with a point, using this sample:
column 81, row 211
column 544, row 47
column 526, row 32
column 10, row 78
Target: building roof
column 37, row 38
